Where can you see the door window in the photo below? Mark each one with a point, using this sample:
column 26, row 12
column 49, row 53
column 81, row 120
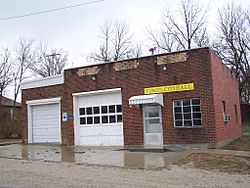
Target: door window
column 104, row 114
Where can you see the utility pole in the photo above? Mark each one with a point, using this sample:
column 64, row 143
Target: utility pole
column 51, row 63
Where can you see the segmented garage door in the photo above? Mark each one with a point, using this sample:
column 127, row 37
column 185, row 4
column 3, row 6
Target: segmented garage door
column 45, row 123
column 100, row 119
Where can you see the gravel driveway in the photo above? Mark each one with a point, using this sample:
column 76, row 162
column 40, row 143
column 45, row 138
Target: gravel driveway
column 21, row 173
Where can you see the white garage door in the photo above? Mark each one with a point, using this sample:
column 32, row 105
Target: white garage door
column 100, row 119
column 45, row 123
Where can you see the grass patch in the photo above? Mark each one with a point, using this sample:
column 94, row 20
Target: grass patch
column 246, row 129
column 229, row 164
column 240, row 144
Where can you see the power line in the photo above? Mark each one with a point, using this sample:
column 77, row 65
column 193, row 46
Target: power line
column 48, row 11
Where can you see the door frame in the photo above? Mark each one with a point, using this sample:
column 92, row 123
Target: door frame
column 33, row 103
column 144, row 129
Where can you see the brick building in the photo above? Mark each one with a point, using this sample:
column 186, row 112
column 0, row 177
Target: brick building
column 10, row 125
column 186, row 97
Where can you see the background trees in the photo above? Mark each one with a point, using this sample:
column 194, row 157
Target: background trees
column 23, row 57
column 233, row 45
column 48, row 62
column 5, row 71
column 186, row 28
column 183, row 28
column 25, row 60
column 115, row 43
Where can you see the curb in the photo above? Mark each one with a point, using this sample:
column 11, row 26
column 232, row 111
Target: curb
column 10, row 143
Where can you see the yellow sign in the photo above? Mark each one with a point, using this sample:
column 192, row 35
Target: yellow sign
column 170, row 88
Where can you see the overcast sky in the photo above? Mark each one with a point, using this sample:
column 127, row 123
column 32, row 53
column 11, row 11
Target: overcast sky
column 76, row 30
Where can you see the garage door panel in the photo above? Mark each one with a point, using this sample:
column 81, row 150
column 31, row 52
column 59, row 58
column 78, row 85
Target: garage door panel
column 46, row 140
column 98, row 140
column 48, row 112
column 90, row 131
column 37, row 111
column 112, row 140
column 108, row 130
column 105, row 133
column 119, row 130
column 111, row 130
column 53, row 132
column 83, row 140
column 46, row 123
column 102, row 99
column 39, row 132
column 42, row 115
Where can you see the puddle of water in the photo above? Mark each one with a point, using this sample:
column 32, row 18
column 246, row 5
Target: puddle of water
column 121, row 158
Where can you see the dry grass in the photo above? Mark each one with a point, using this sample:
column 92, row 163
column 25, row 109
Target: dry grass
column 246, row 129
column 229, row 164
column 240, row 144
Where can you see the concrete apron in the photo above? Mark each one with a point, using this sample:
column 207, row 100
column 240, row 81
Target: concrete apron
column 93, row 156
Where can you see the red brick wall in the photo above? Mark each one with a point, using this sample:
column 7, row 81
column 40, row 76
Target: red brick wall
column 197, row 70
column 225, row 88
column 36, row 94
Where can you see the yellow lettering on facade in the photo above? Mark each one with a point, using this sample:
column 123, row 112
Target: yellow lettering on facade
column 170, row 88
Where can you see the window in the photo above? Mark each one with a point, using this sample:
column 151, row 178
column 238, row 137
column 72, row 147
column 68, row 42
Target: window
column 82, row 121
column 187, row 113
column 96, row 110
column 89, row 110
column 118, row 108
column 112, row 109
column 82, row 111
column 104, row 109
column 96, row 120
column 100, row 114
column 223, row 107
column 236, row 113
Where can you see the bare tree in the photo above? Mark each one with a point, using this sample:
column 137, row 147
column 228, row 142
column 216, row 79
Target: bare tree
column 5, row 71
column 103, row 54
column 122, row 41
column 183, row 28
column 135, row 52
column 48, row 62
column 116, row 43
column 233, row 45
column 23, row 58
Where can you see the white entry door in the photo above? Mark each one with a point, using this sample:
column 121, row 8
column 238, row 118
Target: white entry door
column 152, row 125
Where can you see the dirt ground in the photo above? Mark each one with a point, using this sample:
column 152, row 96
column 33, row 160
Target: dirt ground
column 212, row 162
column 21, row 173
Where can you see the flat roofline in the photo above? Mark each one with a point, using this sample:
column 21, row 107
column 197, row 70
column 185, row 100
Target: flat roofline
column 59, row 79
column 41, row 82
column 131, row 59
column 43, row 78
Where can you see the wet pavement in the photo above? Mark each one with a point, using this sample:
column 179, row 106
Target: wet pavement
column 93, row 156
